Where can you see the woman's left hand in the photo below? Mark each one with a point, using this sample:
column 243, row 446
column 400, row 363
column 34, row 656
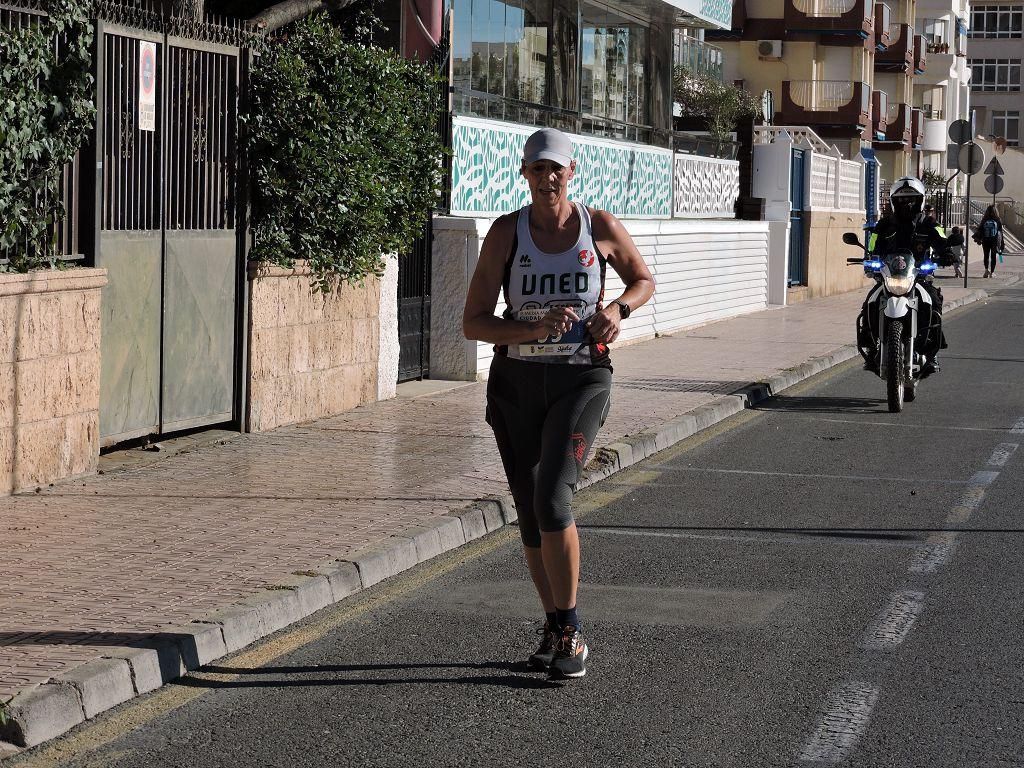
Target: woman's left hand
column 604, row 325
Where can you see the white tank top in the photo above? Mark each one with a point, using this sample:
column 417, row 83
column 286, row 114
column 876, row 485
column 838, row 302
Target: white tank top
column 535, row 281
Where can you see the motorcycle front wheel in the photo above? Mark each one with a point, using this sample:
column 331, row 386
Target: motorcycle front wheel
column 896, row 372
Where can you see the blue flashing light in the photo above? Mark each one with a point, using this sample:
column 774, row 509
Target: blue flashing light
column 929, row 266
column 873, row 264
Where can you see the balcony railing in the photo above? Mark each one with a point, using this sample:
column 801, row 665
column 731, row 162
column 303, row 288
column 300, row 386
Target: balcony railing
column 897, row 127
column 899, row 56
column 920, row 57
column 830, row 16
column 879, row 113
column 882, row 16
column 699, row 57
column 835, row 103
column 916, row 128
column 935, row 34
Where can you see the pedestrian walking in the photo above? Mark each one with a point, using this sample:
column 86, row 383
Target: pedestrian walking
column 989, row 235
column 956, row 248
column 549, row 387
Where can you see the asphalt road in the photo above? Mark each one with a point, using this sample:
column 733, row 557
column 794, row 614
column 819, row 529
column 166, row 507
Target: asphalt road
column 816, row 581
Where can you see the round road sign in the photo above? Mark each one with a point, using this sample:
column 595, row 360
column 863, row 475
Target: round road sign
column 147, row 70
column 960, row 132
column 993, row 184
column 970, row 158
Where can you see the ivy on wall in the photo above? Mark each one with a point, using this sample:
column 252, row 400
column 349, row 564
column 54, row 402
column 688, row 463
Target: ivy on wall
column 346, row 158
column 45, row 115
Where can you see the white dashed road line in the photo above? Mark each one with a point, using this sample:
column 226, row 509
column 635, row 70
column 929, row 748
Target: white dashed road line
column 1002, row 454
column 894, row 623
column 842, row 725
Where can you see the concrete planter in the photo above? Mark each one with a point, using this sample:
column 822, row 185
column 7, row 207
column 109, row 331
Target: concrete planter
column 49, row 376
column 315, row 355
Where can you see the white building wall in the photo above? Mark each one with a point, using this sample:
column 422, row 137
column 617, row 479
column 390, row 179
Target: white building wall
column 705, row 270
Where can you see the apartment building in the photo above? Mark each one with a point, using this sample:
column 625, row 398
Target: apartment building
column 995, row 49
column 856, row 72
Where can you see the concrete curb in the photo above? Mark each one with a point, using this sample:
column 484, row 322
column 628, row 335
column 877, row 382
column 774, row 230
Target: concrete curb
column 125, row 672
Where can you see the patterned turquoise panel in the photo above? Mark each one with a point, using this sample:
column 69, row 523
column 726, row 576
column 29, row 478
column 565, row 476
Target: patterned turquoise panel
column 630, row 180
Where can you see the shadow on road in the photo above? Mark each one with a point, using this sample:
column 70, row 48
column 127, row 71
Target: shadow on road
column 514, row 676
column 822, row 404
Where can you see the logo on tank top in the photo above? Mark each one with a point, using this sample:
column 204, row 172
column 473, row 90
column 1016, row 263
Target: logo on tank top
column 524, row 260
column 565, row 283
column 587, row 258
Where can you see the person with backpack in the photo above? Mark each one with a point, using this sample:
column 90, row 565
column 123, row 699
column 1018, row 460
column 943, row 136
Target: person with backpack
column 956, row 249
column 989, row 235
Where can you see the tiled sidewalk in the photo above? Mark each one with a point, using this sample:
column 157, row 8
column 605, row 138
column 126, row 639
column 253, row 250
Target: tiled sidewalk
column 119, row 557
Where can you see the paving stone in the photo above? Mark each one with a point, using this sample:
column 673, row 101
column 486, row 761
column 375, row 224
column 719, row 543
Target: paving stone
column 384, row 560
column 199, row 643
column 473, row 524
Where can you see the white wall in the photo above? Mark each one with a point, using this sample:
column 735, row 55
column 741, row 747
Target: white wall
column 705, row 270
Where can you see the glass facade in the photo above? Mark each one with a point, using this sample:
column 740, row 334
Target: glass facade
column 600, row 67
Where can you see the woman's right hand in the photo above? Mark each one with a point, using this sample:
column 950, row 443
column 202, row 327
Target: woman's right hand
column 556, row 322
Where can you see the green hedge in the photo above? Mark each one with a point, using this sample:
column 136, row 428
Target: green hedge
column 46, row 113
column 345, row 153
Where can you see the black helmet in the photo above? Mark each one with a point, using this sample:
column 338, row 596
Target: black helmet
column 907, row 198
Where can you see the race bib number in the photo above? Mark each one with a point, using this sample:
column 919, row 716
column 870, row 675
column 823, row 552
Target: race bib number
column 564, row 345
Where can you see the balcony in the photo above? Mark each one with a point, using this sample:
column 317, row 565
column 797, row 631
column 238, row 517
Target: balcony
column 935, row 130
column 879, row 113
column 916, row 128
column 835, row 107
column 899, row 56
column 935, row 34
column 833, row 17
column 699, row 57
column 882, row 24
column 897, row 128
column 920, row 57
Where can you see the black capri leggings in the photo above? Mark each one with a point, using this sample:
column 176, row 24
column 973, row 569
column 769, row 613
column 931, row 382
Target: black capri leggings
column 990, row 248
column 545, row 417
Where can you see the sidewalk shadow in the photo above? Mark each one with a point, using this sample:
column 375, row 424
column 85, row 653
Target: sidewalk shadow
column 511, row 679
column 822, row 404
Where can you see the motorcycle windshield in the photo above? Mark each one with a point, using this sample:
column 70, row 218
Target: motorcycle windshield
column 900, row 263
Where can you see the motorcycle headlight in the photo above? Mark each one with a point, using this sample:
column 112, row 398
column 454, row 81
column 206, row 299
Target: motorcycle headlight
column 899, row 285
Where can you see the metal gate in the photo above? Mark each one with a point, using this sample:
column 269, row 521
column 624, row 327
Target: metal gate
column 796, row 219
column 414, row 308
column 166, row 148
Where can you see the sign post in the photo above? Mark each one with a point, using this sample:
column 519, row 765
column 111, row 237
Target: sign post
column 969, row 160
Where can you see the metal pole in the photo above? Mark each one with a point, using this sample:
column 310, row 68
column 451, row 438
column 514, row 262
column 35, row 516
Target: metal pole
column 945, row 200
column 967, row 228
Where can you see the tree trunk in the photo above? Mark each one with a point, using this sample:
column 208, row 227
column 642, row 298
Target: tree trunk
column 288, row 11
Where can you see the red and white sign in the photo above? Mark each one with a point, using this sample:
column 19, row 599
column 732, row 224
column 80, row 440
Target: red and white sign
column 147, row 86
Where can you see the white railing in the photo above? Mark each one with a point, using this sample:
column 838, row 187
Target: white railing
column 851, row 197
column 824, row 8
column 704, row 187
column 821, row 95
column 766, row 134
column 823, row 181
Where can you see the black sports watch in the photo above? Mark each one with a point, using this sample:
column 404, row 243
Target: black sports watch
column 624, row 309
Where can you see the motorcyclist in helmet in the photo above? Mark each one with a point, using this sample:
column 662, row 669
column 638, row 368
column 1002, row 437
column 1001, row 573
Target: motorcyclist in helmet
column 906, row 227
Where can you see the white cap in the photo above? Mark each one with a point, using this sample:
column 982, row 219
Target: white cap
column 548, row 144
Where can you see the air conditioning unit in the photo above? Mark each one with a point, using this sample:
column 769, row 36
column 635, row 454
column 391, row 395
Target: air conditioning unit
column 769, row 49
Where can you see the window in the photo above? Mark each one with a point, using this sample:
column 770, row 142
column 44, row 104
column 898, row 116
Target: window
column 995, row 74
column 614, row 66
column 997, row 20
column 1006, row 123
column 602, row 67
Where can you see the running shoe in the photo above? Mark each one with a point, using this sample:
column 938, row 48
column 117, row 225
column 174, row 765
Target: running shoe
column 570, row 654
column 541, row 658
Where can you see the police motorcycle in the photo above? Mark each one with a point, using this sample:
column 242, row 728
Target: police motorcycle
column 901, row 300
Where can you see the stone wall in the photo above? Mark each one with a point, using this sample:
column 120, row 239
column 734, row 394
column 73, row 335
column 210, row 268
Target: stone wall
column 49, row 376
column 314, row 355
column 827, row 270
